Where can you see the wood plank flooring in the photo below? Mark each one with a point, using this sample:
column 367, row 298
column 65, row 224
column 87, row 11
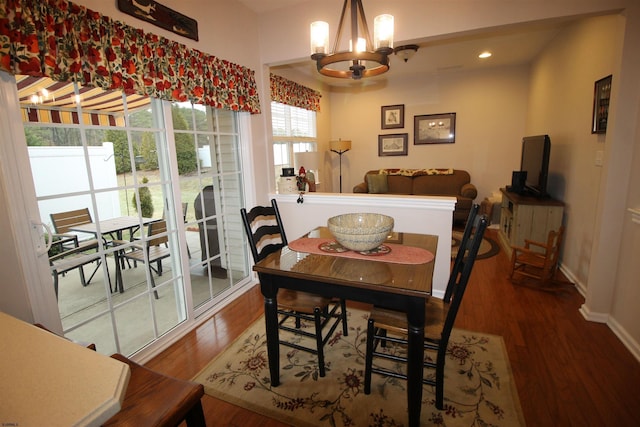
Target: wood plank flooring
column 568, row 371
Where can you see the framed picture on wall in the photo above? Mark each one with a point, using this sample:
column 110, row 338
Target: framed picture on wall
column 392, row 116
column 434, row 129
column 161, row 16
column 601, row 96
column 393, row 145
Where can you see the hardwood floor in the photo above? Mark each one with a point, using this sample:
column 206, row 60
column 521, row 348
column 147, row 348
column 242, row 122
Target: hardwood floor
column 568, row 371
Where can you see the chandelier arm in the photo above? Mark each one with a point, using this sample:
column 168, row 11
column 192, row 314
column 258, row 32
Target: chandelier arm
column 339, row 34
column 365, row 27
column 354, row 25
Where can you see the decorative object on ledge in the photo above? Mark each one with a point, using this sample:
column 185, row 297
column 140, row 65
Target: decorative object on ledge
column 340, row 147
column 308, row 160
column 406, row 51
column 601, row 97
column 434, row 129
column 392, row 116
column 365, row 59
column 287, row 183
column 393, row 145
column 160, row 16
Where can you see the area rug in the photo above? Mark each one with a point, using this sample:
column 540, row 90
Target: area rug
column 479, row 388
column 488, row 247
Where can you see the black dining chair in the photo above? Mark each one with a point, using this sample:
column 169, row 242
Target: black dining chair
column 468, row 228
column 390, row 326
column 266, row 235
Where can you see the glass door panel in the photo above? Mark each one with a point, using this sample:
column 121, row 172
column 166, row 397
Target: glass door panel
column 212, row 192
column 92, row 152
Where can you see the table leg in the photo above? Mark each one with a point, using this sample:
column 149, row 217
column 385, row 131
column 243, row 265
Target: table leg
column 116, row 258
column 271, row 323
column 415, row 318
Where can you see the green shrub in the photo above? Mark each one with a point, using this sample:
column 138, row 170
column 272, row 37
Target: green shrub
column 146, row 201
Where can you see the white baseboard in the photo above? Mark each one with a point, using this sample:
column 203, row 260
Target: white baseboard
column 606, row 318
column 627, row 340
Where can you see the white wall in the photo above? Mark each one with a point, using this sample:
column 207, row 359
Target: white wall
column 490, row 107
column 425, row 215
column 562, row 106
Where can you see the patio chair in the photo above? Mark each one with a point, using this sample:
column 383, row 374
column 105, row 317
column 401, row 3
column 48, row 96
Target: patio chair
column 149, row 251
column 63, row 222
column 70, row 259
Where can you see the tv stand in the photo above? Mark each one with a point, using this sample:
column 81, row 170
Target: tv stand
column 527, row 217
column 526, row 193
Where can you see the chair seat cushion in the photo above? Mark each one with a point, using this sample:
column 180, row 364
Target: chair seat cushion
column 301, row 301
column 396, row 321
column 155, row 253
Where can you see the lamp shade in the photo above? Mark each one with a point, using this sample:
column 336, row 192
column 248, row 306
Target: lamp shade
column 340, row 146
column 383, row 31
column 319, row 37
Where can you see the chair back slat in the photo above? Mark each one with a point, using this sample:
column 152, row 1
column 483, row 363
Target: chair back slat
column 458, row 262
column 264, row 230
column 554, row 242
column 462, row 279
column 63, row 221
column 156, row 228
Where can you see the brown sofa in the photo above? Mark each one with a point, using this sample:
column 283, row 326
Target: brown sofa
column 424, row 182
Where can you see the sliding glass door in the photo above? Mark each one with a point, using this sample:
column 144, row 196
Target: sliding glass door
column 133, row 163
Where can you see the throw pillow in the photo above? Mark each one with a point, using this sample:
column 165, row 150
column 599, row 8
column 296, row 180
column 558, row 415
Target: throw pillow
column 377, row 183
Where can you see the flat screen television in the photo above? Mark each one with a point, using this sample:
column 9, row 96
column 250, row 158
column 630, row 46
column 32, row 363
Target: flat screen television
column 535, row 162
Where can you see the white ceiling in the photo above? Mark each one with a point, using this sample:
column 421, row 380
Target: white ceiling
column 514, row 45
column 260, row 6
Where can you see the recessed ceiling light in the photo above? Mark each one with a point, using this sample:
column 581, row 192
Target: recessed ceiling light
column 484, row 55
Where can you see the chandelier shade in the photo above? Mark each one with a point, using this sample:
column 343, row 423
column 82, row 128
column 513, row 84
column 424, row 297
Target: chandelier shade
column 370, row 57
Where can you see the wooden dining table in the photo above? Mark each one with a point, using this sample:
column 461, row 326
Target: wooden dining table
column 369, row 279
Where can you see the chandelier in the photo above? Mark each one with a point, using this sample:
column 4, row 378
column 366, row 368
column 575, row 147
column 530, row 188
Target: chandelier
column 367, row 58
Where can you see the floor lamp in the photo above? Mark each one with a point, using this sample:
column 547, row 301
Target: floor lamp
column 340, row 147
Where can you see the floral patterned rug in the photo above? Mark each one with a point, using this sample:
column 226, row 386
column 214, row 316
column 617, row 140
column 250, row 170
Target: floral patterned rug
column 479, row 390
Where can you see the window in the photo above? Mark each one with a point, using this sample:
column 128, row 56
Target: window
column 294, row 131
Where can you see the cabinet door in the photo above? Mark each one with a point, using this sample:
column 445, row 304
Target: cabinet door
column 544, row 219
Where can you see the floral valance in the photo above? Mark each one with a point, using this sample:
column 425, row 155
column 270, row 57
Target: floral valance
column 68, row 42
column 291, row 93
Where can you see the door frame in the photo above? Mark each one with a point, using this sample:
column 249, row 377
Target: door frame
column 20, row 199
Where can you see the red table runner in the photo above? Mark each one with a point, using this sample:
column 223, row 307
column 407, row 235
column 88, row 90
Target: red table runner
column 398, row 254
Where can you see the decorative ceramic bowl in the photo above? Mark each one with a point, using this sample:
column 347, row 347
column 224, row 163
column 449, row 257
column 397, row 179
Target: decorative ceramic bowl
column 360, row 231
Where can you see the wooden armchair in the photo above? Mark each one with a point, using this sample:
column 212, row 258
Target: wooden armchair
column 538, row 260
